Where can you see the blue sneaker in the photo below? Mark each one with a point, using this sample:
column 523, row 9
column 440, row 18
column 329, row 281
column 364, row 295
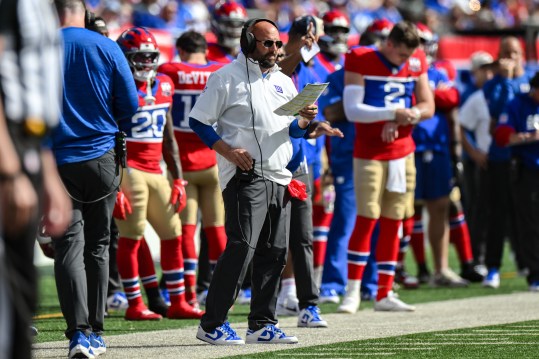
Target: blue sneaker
column 310, row 318
column 98, row 344
column 534, row 286
column 117, row 301
column 222, row 335
column 165, row 295
column 79, row 346
column 329, row 296
column 270, row 334
column 492, row 280
column 244, row 297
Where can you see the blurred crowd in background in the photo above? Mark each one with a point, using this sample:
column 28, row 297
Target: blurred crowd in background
column 442, row 16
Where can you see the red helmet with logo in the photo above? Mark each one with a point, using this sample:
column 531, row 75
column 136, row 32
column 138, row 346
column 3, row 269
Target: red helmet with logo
column 140, row 49
column 336, row 29
column 425, row 34
column 380, row 28
column 227, row 21
column 335, row 18
column 429, row 41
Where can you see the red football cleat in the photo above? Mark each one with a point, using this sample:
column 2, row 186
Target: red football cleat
column 141, row 313
column 184, row 311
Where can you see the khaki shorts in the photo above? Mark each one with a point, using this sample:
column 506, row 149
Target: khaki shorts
column 372, row 199
column 149, row 194
column 204, row 193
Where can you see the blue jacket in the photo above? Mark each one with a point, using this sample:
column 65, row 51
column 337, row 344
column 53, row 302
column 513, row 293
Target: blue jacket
column 99, row 90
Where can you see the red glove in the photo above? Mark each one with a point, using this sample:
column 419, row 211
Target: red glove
column 297, row 189
column 178, row 197
column 122, row 207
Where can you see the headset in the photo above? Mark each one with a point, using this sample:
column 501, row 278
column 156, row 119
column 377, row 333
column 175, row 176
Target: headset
column 247, row 39
column 89, row 18
column 248, row 45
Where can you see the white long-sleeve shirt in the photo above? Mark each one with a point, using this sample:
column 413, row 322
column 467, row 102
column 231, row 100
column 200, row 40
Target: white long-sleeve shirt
column 474, row 116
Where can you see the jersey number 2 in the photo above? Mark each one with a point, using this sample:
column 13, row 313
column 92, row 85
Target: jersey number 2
column 394, row 90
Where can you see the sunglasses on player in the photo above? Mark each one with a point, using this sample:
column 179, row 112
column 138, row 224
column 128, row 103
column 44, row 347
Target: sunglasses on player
column 269, row 43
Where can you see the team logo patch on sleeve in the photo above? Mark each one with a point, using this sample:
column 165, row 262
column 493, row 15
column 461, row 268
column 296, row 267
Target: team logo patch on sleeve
column 415, row 64
column 166, row 88
column 278, row 88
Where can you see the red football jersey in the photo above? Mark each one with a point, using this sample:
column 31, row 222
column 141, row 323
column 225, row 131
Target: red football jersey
column 145, row 129
column 189, row 81
column 385, row 86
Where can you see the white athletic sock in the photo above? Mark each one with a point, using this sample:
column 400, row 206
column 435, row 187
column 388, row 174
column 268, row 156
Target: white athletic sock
column 352, row 288
column 288, row 289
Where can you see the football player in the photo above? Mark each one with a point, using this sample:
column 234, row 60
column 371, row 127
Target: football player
column 333, row 46
column 227, row 21
column 379, row 85
column 341, row 164
column 150, row 138
column 199, row 162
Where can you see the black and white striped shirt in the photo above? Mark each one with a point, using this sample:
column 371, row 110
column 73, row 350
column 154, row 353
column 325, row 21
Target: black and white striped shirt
column 30, row 61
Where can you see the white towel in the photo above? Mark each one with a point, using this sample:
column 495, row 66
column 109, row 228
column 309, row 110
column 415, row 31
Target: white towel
column 396, row 175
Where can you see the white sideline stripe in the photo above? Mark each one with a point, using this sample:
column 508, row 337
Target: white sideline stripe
column 482, row 334
column 502, row 330
column 523, row 326
column 388, row 347
column 352, row 355
column 471, row 339
column 476, row 343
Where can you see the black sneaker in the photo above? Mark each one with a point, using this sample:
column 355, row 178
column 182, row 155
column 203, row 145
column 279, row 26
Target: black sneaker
column 158, row 305
column 471, row 273
column 423, row 274
column 406, row 280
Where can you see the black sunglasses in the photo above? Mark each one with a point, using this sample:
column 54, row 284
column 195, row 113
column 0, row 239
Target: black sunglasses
column 269, row 43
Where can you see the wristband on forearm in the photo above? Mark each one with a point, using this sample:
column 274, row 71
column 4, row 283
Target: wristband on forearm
column 417, row 115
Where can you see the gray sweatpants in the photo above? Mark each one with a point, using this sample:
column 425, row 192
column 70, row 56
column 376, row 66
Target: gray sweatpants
column 301, row 246
column 81, row 263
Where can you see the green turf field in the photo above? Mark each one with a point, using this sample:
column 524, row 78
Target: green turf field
column 516, row 340
column 51, row 324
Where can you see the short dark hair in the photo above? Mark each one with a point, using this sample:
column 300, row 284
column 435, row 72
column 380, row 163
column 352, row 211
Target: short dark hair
column 368, row 38
column 62, row 5
column 405, row 33
column 192, row 42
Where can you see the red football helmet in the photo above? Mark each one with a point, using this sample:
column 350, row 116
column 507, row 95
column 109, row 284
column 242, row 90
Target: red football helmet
column 380, row 28
column 429, row 40
column 336, row 28
column 227, row 21
column 140, row 49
